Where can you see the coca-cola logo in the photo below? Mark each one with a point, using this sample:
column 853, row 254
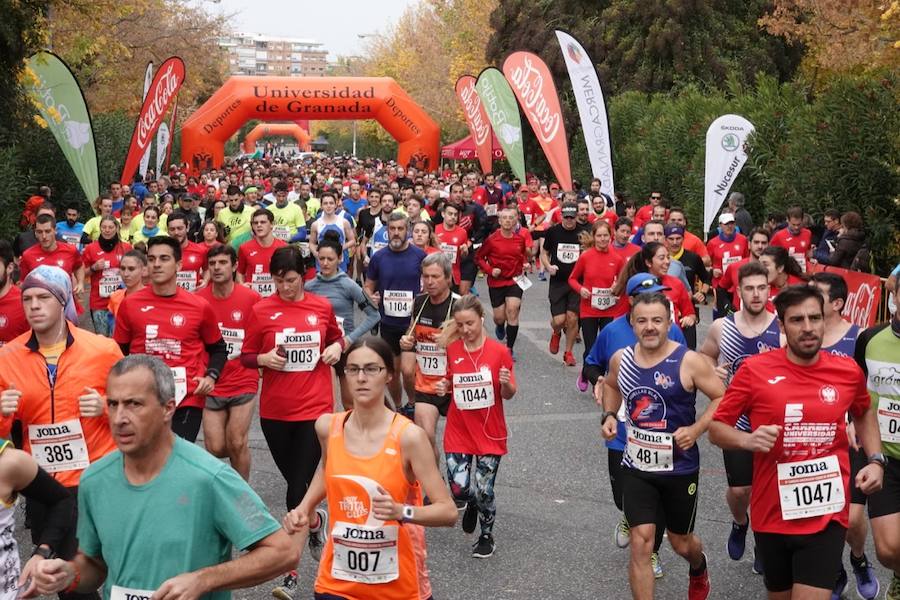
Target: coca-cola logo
column 472, row 105
column 167, row 84
column 861, row 305
column 528, row 82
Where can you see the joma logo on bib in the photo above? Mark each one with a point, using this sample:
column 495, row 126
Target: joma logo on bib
column 808, row 469
column 52, row 431
column 648, row 437
column 470, row 378
column 352, row 533
column 297, row 338
column 128, row 596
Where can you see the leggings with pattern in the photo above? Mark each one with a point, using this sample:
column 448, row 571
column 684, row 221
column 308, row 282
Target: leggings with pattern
column 478, row 489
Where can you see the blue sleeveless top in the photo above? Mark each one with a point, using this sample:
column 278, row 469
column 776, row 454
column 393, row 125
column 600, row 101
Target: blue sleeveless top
column 656, row 401
column 847, row 344
column 734, row 348
column 339, row 230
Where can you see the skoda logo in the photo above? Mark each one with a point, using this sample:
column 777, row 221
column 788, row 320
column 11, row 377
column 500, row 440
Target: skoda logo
column 730, row 142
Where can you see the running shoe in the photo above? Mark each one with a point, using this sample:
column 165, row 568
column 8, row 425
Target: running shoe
column 500, row 332
column 470, row 518
column 288, row 586
column 867, row 586
column 568, row 359
column 757, row 563
column 698, row 585
column 737, row 540
column 484, row 547
column 512, row 354
column 656, row 565
column 581, row 383
column 893, row 591
column 554, row 342
column 840, row 586
column 317, row 538
column 542, row 276
column 622, row 533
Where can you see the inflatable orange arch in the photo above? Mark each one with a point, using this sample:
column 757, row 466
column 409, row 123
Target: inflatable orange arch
column 271, row 129
column 243, row 98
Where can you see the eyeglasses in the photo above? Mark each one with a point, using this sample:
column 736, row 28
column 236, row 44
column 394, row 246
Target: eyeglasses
column 369, row 370
column 656, row 197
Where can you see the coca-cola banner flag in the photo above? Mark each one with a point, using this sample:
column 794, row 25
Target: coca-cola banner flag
column 591, row 109
column 162, row 93
column 532, row 83
column 726, row 154
column 863, row 294
column 148, row 79
column 476, row 119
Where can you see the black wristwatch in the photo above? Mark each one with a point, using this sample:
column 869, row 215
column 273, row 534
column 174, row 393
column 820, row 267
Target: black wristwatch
column 212, row 374
column 46, row 553
column 878, row 458
column 606, row 415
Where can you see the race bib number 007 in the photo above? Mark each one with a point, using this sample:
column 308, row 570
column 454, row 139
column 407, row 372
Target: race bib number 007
column 365, row 554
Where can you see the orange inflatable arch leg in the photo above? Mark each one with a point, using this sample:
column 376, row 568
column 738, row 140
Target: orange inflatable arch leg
column 243, row 98
column 273, row 129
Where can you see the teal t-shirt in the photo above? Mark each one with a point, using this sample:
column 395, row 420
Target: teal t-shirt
column 188, row 517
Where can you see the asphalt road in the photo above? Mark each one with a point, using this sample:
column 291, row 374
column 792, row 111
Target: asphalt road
column 555, row 513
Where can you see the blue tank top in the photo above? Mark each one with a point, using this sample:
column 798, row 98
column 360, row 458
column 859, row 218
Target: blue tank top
column 845, row 346
column 734, row 348
column 656, row 401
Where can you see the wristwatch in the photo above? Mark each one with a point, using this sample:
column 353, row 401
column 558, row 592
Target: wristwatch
column 44, row 551
column 408, row 513
column 212, row 374
column 878, row 458
column 606, row 415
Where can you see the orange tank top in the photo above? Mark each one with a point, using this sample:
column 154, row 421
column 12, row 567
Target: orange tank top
column 365, row 557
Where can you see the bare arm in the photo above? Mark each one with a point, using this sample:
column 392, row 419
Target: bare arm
column 417, row 450
column 710, row 347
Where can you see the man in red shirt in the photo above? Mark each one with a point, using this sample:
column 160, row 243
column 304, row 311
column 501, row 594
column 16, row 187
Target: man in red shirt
column 191, row 273
column 530, row 209
column 644, row 213
column 453, row 240
column 796, row 399
column 759, row 239
column 622, row 239
column 691, row 241
column 255, row 254
column 794, row 238
column 50, row 251
column 726, row 249
column 166, row 321
column 12, row 314
column 229, row 407
column 503, row 258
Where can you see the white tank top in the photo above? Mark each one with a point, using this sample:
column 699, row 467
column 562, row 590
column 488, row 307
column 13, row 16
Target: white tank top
column 9, row 551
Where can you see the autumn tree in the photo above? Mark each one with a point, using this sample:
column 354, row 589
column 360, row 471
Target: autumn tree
column 840, row 35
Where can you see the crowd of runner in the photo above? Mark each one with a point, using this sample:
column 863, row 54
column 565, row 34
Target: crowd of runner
column 338, row 298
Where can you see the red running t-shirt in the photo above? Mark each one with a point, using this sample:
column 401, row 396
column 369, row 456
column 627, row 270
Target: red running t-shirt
column 810, row 404
column 193, row 262
column 253, row 264
column 504, row 253
column 107, row 280
column 232, row 314
column 451, row 243
column 12, row 315
column 65, row 257
column 597, row 271
column 797, row 244
column 304, row 329
column 475, row 420
column 723, row 254
column 174, row 328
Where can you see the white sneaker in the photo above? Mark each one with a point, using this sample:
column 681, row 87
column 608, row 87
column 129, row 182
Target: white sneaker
column 657, row 565
column 622, row 533
column 318, row 537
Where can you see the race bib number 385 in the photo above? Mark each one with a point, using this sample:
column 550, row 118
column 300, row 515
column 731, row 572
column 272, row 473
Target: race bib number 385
column 59, row 446
column 365, row 554
column 810, row 488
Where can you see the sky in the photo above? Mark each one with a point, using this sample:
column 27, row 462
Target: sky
column 336, row 23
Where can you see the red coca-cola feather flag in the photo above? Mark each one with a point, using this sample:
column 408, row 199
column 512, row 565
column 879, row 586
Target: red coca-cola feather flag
column 165, row 86
column 532, row 83
column 476, row 119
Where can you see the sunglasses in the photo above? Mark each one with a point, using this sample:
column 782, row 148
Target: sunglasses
column 646, row 285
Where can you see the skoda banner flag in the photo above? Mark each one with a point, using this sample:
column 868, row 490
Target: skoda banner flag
column 726, row 154
column 499, row 103
column 591, row 109
column 53, row 88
